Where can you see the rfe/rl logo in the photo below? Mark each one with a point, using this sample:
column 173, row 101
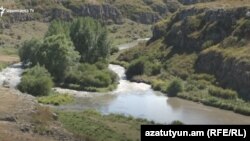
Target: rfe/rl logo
column 2, row 11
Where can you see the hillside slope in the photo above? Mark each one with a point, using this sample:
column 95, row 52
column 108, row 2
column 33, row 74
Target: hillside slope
column 206, row 48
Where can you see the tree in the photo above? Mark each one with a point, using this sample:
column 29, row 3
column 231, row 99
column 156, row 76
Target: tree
column 36, row 81
column 58, row 27
column 90, row 39
column 28, row 51
column 57, row 54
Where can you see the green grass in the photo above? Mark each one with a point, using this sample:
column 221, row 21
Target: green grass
column 11, row 51
column 127, row 32
column 198, row 87
column 19, row 32
column 94, row 126
column 2, row 65
column 56, row 99
column 8, row 55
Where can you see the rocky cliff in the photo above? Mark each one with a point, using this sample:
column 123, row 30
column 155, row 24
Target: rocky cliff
column 188, row 2
column 231, row 71
column 105, row 12
column 220, row 38
column 141, row 11
column 195, row 29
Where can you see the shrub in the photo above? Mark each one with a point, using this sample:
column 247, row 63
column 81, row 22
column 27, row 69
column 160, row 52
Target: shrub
column 159, row 85
column 135, row 68
column 177, row 122
column 174, row 87
column 222, row 93
column 152, row 68
column 36, row 81
column 114, row 50
column 87, row 75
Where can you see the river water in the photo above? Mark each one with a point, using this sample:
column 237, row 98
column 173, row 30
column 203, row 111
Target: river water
column 137, row 100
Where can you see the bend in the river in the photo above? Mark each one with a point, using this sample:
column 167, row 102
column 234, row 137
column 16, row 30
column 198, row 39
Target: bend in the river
column 138, row 100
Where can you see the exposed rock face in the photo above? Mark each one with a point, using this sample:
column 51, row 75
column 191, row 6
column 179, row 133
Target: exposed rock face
column 161, row 9
column 146, row 17
column 104, row 12
column 187, row 2
column 196, row 29
column 230, row 72
column 14, row 18
column 58, row 13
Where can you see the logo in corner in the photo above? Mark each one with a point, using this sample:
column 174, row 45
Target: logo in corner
column 2, row 11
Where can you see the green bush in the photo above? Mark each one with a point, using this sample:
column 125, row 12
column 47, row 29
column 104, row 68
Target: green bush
column 114, row 50
column 36, row 81
column 159, row 85
column 135, row 68
column 174, row 88
column 222, row 93
column 177, row 122
column 87, row 75
column 141, row 66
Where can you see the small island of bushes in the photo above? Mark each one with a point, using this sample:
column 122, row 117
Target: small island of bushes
column 71, row 55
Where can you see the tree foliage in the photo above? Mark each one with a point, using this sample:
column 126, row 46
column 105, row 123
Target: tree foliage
column 90, row 39
column 57, row 54
column 58, row 27
column 72, row 53
column 28, row 51
column 36, row 81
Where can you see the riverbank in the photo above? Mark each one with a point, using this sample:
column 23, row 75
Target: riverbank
column 22, row 119
column 91, row 125
column 196, row 87
column 8, row 56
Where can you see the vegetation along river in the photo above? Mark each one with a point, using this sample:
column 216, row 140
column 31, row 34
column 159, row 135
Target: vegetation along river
column 137, row 100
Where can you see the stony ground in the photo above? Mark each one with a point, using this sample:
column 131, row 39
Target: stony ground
column 22, row 119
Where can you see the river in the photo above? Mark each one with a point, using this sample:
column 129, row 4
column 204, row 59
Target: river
column 138, row 100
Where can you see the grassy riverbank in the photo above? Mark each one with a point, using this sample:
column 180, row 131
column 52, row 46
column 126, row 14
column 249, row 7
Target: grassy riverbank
column 198, row 87
column 91, row 125
column 8, row 55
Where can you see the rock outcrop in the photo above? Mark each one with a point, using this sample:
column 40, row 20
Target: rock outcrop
column 146, row 17
column 195, row 29
column 230, row 72
column 219, row 37
column 8, row 19
column 105, row 12
column 187, row 2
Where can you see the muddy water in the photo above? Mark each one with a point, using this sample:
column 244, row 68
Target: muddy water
column 138, row 100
